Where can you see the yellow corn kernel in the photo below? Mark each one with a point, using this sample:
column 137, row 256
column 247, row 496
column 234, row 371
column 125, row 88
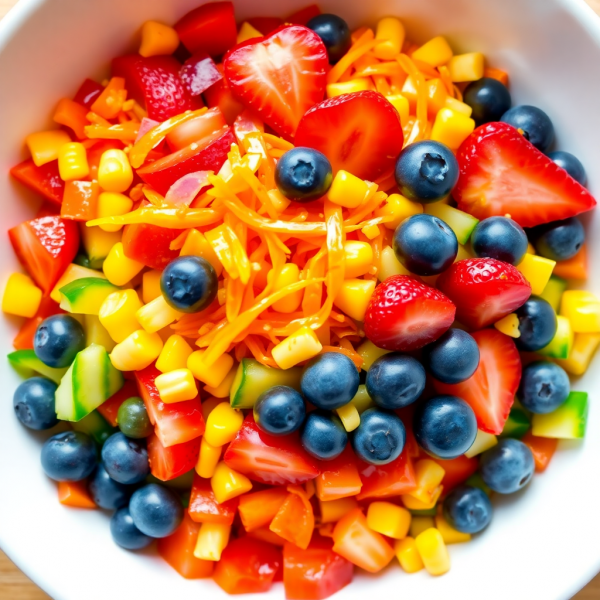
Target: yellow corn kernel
column 347, row 190
column 137, row 351
column 435, row 52
column 354, row 296
column 222, row 424
column 449, row 534
column 408, row 556
column 72, row 162
column 391, row 33
column 227, row 483
column 400, row 208
column 212, row 540
column 584, row 348
column 208, row 459
column 369, row 352
column 113, row 204
column 45, row 145
column 466, row 67
column 117, row 314
column 389, row 265
column 400, row 103
column 509, row 325
column 582, row 309
column 433, row 551
column 118, row 268
column 349, row 416
column 428, row 476
column 300, row 346
column 21, row 296
column 209, row 405
column 458, row 107
column 213, row 375
column 413, row 503
column 224, row 388
column 484, row 441
column 420, row 524
column 151, row 286
column 279, row 201
column 358, row 84
column 290, row 273
column 333, row 510
column 114, row 171
column 247, row 32
column 359, row 258
column 451, row 128
column 156, row 315
column 389, row 519
column 362, row 401
column 537, row 270
column 97, row 242
column 174, row 355
column 158, row 39
column 95, row 333
column 196, row 244
column 371, row 231
column 176, row 386
column 73, row 273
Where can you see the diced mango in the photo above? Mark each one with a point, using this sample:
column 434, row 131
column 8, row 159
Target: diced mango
column 353, row 297
column 582, row 352
column 509, row 325
column 212, row 375
column 222, row 424
column 347, row 190
column 435, row 52
column 537, row 270
column 389, row 519
column 21, row 296
column 298, row 347
column 451, row 128
column 228, row 484
column 582, row 308
column 174, row 355
column 400, row 208
column 466, row 67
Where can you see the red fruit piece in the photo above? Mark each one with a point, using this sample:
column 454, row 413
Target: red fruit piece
column 198, row 73
column 384, row 481
column 457, row 470
column 279, row 77
column 88, row 93
column 204, row 507
column 304, row 15
column 491, row 390
column 502, row 173
column 149, row 244
column 358, row 132
column 44, row 180
column 266, row 24
column 484, row 290
column 174, row 461
column 405, row 314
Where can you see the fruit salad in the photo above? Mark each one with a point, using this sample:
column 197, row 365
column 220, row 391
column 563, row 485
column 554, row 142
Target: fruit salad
column 300, row 300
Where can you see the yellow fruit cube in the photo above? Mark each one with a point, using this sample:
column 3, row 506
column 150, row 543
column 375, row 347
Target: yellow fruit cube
column 222, row 424
column 537, row 270
column 196, row 244
column 118, row 268
column 369, row 352
column 371, row 231
column 289, row 274
column 401, row 104
column 458, row 107
column 156, row 315
column 137, row 351
column 449, row 534
column 582, row 308
column 98, row 242
column 208, row 459
column 390, row 31
column 408, row 556
column 117, row 314
column 151, row 286
column 333, row 510
column 582, row 352
column 435, row 52
column 451, row 128
column 358, row 84
column 247, row 32
column 362, row 401
column 359, row 258
column 509, row 325
column 399, row 208
column 466, row 67
column 21, row 296
column 413, row 503
column 389, row 519
column 389, row 265
column 298, row 347
column 353, row 297
column 176, row 386
column 212, row 375
column 349, row 416
column 228, row 484
column 224, row 388
column 158, row 39
column 428, row 476
column 484, row 441
column 113, row 204
column 347, row 190
column 433, row 551
column 45, row 145
column 212, row 540
column 174, row 355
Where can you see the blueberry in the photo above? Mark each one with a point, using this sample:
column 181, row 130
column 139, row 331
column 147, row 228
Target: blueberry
column 335, row 34
column 453, row 358
column 69, row 456
column 500, row 238
column 426, row 171
column 133, row 419
column 303, row 174
column 57, row 341
column 559, row 240
column 156, row 510
column 108, row 493
column 445, row 426
column 395, row 381
column 380, row 437
column 468, row 509
column 280, row 410
column 330, row 380
column 533, row 122
column 125, row 533
column 425, row 245
column 125, row 460
column 537, row 324
column 507, row 467
column 323, row 435
column 571, row 164
column 544, row 387
column 189, row 284
column 33, row 402
column 489, row 99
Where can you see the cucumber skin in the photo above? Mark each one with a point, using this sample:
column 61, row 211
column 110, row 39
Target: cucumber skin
column 567, row 422
column 26, row 362
column 560, row 346
column 75, row 293
column 517, row 425
column 96, row 426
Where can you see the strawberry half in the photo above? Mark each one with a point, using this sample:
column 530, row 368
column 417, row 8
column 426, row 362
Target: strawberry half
column 491, row 390
column 484, row 290
column 405, row 314
column 279, row 77
column 359, row 132
column 502, row 173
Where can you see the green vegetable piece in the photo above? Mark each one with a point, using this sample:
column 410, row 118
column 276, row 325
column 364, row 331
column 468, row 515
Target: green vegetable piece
column 517, row 424
column 430, row 512
column 83, row 261
column 562, row 342
column 85, row 296
column 27, row 363
column 96, row 426
column 476, row 481
column 553, row 291
column 460, row 222
column 568, row 422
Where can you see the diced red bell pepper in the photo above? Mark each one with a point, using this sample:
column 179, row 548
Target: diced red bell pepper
column 339, row 477
column 304, row 15
column 204, row 507
column 110, row 408
column 458, row 470
column 264, row 534
column 88, row 93
column 219, row 96
column 295, row 519
column 382, row 481
column 265, row 24
column 543, row 450
column 210, row 28
column 269, row 459
column 80, row 200
column 44, row 180
column 258, row 509
column 169, row 463
column 75, row 494
column 24, row 339
column 315, row 573
column 198, row 73
column 247, row 566
column 73, row 115
column 149, row 244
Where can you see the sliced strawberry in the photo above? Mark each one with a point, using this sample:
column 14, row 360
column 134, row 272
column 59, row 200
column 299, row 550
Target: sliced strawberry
column 279, row 77
column 502, row 173
column 484, row 290
column 174, row 461
column 491, row 390
column 266, row 25
column 358, row 132
column 405, row 314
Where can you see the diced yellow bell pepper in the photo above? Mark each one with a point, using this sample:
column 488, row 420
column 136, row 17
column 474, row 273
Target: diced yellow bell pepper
column 433, row 551
column 296, row 348
column 289, row 274
column 174, row 355
column 358, row 84
column 158, row 39
column 228, row 484
column 359, row 258
column 582, row 308
column 400, row 208
column 208, row 459
column 362, row 401
column 196, row 244
column 247, row 32
column 45, row 145
column 428, row 476
column 484, row 441
column 353, row 297
column 466, row 67
column 369, row 352
column 420, row 524
column 347, row 190
column 509, row 325
column 114, row 172
column 118, row 268
column 390, row 31
column 435, row 52
column 582, row 352
column 371, row 231
column 389, row 265
column 458, row 107
column 333, row 510
column 212, row 375
column 449, row 534
column 389, row 519
column 349, row 416
column 21, row 296
column 156, row 315
column 151, row 286
column 408, row 556
column 401, row 104
column 95, row 333
column 113, row 204
column 413, row 504
column 72, row 273
column 224, row 388
column 451, row 128
column 212, row 540
column 537, row 270
column 222, row 424
column 117, row 314
column 72, row 162
column 137, row 351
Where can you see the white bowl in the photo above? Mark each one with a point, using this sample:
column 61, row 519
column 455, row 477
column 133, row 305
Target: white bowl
column 543, row 543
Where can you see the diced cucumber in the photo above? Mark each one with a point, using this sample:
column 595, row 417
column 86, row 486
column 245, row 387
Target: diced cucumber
column 430, row 512
column 95, row 333
column 96, row 426
column 484, row 441
column 562, row 342
column 568, row 422
column 553, row 291
column 389, row 265
column 517, row 424
column 252, row 379
column 27, row 363
column 477, row 481
column 460, row 222
column 369, row 352
column 97, row 244
column 73, row 272
column 362, row 400
column 89, row 382
column 85, row 296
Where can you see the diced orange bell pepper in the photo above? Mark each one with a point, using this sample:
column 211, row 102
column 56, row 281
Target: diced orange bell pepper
column 458, row 470
column 75, row 494
column 382, row 481
column 110, row 102
column 295, row 520
column 73, row 115
column 264, row 534
column 339, row 477
column 24, row 339
column 44, row 180
column 259, row 508
column 204, row 507
column 575, row 267
column 80, row 200
column 543, row 450
column 501, row 76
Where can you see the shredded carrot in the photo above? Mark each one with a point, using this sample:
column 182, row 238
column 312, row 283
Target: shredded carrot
column 169, row 218
column 358, row 49
column 446, row 80
column 230, row 251
column 126, row 132
column 234, row 295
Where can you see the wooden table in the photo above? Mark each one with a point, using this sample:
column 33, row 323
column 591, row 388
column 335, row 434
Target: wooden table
column 14, row 585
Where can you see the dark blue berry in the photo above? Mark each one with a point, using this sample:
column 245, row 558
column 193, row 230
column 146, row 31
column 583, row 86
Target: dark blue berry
column 445, row 426
column 33, row 402
column 125, row 533
column 533, row 122
column 544, row 387
column 108, row 493
column 57, row 341
column 425, row 245
column 453, row 358
column 537, row 324
column 125, row 460
column 189, row 284
column 323, row 435
column 280, row 410
column 489, row 99
column 380, row 437
column 303, row 174
column 133, row 419
column 335, row 34
column 559, row 240
column 571, row 164
column 507, row 467
column 69, row 456
column 395, row 381
column 156, row 510
column 500, row 238
column 468, row 509
column 426, row 171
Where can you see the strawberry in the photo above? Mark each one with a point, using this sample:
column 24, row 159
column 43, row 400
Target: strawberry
column 358, row 132
column 502, row 173
column 484, row 290
column 279, row 77
column 491, row 390
column 405, row 314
